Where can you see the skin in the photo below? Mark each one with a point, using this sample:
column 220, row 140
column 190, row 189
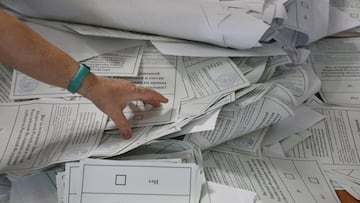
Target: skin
column 26, row 51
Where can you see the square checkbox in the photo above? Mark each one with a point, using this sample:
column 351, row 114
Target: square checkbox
column 120, row 179
column 289, row 176
column 313, row 180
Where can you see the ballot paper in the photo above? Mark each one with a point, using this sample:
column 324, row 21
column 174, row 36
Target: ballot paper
column 60, row 186
column 248, row 144
column 37, row 134
column 232, row 124
column 273, row 179
column 342, row 184
column 335, row 61
column 71, row 187
column 346, row 177
column 112, row 143
column 209, row 21
column 335, row 139
column 244, row 63
column 341, row 21
column 246, row 115
column 132, row 181
column 82, row 47
column 293, row 140
column 210, row 83
column 5, row 83
column 342, row 10
column 157, row 151
column 97, row 31
column 257, row 91
column 304, row 117
column 346, row 172
column 258, row 65
column 167, row 45
column 300, row 80
column 26, row 87
column 206, row 50
column 124, row 62
column 158, row 72
column 272, row 63
column 222, row 193
column 203, row 123
column 208, row 76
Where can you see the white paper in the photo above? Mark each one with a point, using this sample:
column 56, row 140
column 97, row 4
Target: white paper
column 335, row 140
column 208, row 21
column 258, row 65
column 249, row 144
column 72, row 175
column 204, row 123
column 124, row 62
column 26, row 87
column 335, row 61
column 5, row 83
column 206, row 50
column 208, row 76
column 304, row 117
column 222, row 193
column 291, row 141
column 108, row 181
column 37, row 134
column 60, row 186
column 232, row 124
column 112, row 144
column 160, row 73
column 82, row 47
column 273, row 179
column 341, row 21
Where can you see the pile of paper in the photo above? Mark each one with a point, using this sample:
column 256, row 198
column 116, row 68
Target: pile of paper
column 240, row 83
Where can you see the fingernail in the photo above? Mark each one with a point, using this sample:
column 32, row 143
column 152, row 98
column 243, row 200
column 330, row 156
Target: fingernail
column 126, row 134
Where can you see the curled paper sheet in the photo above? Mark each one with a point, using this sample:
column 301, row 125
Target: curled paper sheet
column 223, row 193
column 203, row 21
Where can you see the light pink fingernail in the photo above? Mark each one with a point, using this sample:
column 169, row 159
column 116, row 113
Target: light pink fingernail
column 126, row 134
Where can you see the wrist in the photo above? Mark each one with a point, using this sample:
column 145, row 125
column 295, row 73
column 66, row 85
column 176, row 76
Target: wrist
column 88, row 84
column 83, row 81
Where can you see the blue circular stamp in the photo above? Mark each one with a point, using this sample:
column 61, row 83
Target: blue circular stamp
column 28, row 84
column 225, row 80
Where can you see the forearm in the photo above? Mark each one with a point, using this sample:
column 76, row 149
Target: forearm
column 28, row 52
column 24, row 50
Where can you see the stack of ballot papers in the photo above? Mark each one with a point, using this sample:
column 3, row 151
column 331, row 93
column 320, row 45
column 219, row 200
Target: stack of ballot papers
column 130, row 181
column 261, row 107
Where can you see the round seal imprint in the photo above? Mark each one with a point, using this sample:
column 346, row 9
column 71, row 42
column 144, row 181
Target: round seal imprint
column 28, row 84
column 225, row 80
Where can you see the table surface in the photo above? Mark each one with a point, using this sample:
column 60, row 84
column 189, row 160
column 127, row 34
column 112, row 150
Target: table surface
column 346, row 197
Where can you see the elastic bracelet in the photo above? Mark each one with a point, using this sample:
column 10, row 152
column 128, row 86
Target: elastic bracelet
column 78, row 79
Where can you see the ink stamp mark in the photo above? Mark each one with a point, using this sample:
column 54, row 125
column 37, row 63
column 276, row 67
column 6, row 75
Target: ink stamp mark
column 225, row 80
column 28, row 84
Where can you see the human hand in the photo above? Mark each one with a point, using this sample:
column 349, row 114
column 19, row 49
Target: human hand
column 113, row 95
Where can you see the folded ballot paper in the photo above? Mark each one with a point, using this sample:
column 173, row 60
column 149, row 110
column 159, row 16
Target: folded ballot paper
column 204, row 21
column 235, row 24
